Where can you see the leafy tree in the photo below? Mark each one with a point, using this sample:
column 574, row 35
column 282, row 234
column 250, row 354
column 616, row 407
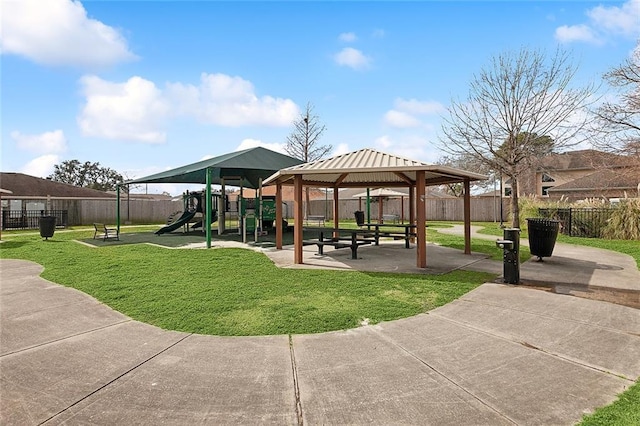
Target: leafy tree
column 518, row 97
column 304, row 141
column 87, row 174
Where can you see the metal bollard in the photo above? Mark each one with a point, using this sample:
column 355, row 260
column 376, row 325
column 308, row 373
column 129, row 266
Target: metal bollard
column 510, row 246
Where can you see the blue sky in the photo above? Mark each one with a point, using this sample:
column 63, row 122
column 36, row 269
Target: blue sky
column 145, row 86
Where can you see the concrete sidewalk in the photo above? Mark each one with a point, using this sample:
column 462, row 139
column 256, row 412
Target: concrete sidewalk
column 498, row 355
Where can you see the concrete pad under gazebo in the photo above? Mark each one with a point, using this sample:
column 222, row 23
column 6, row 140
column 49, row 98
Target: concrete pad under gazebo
column 371, row 168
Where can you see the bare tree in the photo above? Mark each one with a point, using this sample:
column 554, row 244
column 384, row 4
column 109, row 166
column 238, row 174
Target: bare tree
column 513, row 102
column 619, row 118
column 304, row 141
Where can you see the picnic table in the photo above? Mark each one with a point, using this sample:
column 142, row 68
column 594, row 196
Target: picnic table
column 386, row 231
column 331, row 237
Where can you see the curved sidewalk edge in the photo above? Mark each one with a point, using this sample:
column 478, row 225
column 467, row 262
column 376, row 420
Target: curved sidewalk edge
column 498, row 355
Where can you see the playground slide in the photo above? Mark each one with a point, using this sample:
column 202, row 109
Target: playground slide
column 198, row 224
column 185, row 218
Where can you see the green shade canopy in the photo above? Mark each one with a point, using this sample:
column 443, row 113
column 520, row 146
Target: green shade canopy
column 240, row 168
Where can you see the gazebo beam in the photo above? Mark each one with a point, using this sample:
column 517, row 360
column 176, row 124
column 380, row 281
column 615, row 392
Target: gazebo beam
column 404, row 178
column 340, row 180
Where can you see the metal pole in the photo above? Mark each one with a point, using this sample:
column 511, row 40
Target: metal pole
column 118, row 208
column 501, row 194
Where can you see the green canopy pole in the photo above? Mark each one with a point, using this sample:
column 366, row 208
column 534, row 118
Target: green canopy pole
column 207, row 207
column 118, row 208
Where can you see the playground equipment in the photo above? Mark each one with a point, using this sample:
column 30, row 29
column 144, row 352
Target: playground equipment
column 193, row 204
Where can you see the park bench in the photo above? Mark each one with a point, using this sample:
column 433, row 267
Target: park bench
column 319, row 219
column 388, row 218
column 101, row 231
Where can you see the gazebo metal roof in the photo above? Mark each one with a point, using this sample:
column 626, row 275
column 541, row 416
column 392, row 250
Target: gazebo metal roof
column 368, row 167
column 240, row 168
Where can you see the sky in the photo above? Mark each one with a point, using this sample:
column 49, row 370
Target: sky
column 146, row 86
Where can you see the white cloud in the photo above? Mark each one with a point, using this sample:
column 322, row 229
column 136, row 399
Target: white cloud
column 414, row 106
column 59, row 32
column 406, row 111
column 340, row 149
column 410, row 146
column 604, row 22
column 400, row 119
column 352, row 58
column 230, row 101
column 568, row 34
column 137, row 110
column 133, row 110
column 44, row 143
column 252, row 143
column 347, row 37
column 41, row 166
column 624, row 20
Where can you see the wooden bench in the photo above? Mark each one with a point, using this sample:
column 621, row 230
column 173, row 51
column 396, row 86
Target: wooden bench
column 101, row 231
column 316, row 218
column 387, row 218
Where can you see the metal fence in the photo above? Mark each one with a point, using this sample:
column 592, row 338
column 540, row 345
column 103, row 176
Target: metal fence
column 30, row 219
column 580, row 222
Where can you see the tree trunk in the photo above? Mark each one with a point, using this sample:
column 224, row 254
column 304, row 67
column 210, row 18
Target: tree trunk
column 307, row 190
column 515, row 206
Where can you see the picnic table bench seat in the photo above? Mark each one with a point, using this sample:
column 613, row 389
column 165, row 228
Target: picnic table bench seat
column 338, row 243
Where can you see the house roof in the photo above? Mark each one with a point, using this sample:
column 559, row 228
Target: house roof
column 368, row 167
column 30, row 186
column 583, row 160
column 605, row 179
column 240, row 168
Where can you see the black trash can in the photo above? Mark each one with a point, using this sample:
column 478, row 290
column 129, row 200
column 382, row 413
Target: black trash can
column 359, row 217
column 47, row 226
column 542, row 236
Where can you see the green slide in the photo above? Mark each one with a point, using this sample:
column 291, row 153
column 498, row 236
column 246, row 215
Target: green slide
column 185, row 218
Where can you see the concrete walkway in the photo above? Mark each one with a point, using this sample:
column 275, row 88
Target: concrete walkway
column 498, row 355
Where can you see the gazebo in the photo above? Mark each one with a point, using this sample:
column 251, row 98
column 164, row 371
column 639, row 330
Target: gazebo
column 371, row 168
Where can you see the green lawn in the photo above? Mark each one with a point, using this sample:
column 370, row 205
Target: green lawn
column 240, row 292
column 625, row 411
column 232, row 291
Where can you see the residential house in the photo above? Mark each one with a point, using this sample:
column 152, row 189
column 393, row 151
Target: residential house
column 577, row 175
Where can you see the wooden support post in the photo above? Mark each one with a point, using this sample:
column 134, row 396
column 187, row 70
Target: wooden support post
column 421, row 231
column 336, row 216
column 297, row 219
column 467, row 216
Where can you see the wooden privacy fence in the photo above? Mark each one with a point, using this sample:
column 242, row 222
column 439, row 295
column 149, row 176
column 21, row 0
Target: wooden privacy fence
column 483, row 209
column 103, row 210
